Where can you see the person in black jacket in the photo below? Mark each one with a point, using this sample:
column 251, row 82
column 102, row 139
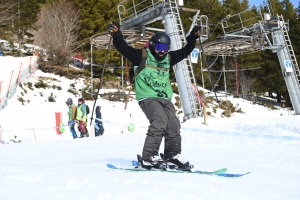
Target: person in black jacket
column 99, row 129
column 154, row 93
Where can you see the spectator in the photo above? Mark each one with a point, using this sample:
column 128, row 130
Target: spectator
column 99, row 129
column 81, row 118
column 87, row 112
column 72, row 114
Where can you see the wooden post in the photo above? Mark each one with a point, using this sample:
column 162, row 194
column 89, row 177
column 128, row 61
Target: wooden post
column 204, row 116
column 127, row 73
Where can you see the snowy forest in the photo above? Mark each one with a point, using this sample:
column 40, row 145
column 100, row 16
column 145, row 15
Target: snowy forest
column 64, row 28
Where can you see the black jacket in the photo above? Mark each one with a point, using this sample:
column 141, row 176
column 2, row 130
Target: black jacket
column 135, row 55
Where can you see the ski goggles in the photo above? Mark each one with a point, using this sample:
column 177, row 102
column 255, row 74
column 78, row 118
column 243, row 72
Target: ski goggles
column 162, row 47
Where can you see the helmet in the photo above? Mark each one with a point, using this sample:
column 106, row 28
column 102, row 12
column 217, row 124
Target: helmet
column 160, row 42
column 160, row 37
column 80, row 99
column 70, row 101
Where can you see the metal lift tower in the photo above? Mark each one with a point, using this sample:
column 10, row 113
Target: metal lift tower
column 254, row 37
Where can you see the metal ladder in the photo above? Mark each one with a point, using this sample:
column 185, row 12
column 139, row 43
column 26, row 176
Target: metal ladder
column 290, row 55
column 172, row 8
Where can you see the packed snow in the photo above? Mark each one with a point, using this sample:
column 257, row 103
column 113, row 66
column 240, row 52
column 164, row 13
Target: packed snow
column 50, row 166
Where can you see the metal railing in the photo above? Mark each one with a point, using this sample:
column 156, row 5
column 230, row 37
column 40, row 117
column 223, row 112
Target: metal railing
column 129, row 10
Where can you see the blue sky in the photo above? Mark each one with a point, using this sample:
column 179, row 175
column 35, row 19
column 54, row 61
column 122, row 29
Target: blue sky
column 259, row 2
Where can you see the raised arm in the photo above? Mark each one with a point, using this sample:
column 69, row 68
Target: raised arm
column 180, row 54
column 132, row 54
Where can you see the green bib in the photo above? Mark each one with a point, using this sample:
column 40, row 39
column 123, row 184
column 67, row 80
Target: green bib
column 79, row 113
column 153, row 81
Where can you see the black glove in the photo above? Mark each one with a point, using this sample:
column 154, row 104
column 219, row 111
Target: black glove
column 197, row 31
column 113, row 27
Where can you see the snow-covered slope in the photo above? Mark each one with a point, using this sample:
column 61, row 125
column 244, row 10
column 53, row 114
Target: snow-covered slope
column 50, row 166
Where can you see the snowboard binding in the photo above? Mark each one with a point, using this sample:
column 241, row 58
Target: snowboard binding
column 176, row 167
column 149, row 167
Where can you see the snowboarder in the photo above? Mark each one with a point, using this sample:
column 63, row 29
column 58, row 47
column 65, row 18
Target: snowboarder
column 71, row 113
column 154, row 93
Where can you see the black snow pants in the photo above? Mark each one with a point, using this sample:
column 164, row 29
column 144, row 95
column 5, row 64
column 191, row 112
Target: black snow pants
column 163, row 123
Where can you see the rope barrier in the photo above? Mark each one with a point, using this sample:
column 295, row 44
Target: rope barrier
column 244, row 135
column 200, row 130
column 22, row 69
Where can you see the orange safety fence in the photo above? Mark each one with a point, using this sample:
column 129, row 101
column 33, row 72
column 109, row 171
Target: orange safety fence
column 10, row 82
column 18, row 81
column 14, row 73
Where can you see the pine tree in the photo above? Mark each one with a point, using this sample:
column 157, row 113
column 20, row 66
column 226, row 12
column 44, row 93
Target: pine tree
column 95, row 16
column 27, row 11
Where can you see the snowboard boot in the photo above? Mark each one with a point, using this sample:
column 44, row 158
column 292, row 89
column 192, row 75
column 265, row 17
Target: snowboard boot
column 154, row 162
column 177, row 162
column 87, row 132
column 82, row 135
